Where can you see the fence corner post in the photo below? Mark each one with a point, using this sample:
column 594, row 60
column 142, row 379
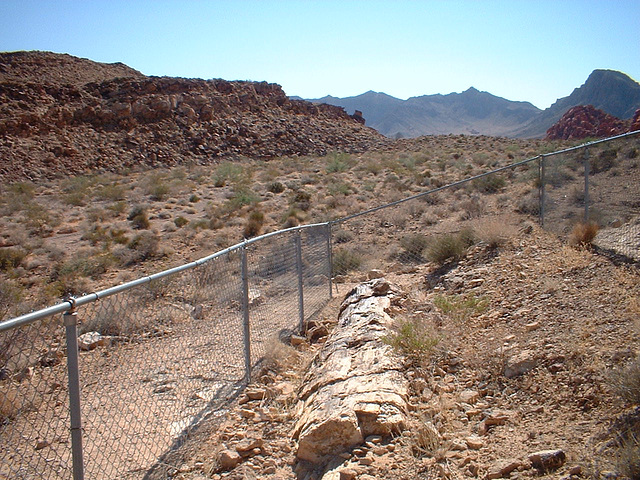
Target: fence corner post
column 70, row 320
column 330, row 258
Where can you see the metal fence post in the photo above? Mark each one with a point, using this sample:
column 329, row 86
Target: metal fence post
column 245, row 315
column 298, row 242
column 542, row 189
column 330, row 258
column 587, row 170
column 70, row 320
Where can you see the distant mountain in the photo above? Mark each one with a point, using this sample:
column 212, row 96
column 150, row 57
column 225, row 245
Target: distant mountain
column 612, row 92
column 471, row 112
column 481, row 113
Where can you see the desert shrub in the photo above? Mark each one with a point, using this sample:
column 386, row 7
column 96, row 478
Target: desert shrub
column 227, row 172
column 77, row 199
column 291, row 221
column 339, row 188
column 10, row 296
column 342, row 236
column 413, row 246
column 118, row 207
column 489, row 184
column 194, row 198
column 413, row 339
column 338, row 162
column 254, row 224
column 460, row 307
column 473, row 207
column 276, row 187
column 140, row 248
column 450, row 247
column 628, row 461
column 110, row 192
column 180, row 221
column 345, row 260
column 139, row 218
column 529, row 204
column 605, row 161
column 11, row 258
column 301, row 200
column 626, row 382
column 632, row 153
column 583, row 234
column 83, row 266
column 495, row 232
column 39, row 219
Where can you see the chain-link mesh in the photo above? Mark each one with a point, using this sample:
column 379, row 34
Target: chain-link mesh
column 593, row 192
column 174, row 349
column 34, row 412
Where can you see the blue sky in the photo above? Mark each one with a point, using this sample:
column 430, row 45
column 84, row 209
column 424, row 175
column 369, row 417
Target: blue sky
column 535, row 50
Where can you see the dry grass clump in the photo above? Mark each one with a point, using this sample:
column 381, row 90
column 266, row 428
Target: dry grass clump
column 495, row 232
column 450, row 247
column 627, row 383
column 254, row 224
column 583, row 234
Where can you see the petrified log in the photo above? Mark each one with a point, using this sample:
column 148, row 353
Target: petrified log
column 355, row 386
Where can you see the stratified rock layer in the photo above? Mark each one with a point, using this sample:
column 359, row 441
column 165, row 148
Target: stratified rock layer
column 355, row 386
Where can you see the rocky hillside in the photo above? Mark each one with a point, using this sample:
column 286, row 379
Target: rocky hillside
column 587, row 121
column 60, row 114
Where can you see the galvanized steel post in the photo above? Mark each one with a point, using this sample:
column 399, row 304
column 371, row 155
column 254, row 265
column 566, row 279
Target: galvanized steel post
column 298, row 242
column 70, row 320
column 245, row 315
column 542, row 192
column 587, row 171
column 330, row 258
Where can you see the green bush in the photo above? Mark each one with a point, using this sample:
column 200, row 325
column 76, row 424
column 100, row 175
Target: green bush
column 603, row 162
column 227, row 172
column 413, row 339
column 338, row 162
column 460, row 307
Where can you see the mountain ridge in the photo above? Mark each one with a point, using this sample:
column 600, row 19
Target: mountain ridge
column 477, row 112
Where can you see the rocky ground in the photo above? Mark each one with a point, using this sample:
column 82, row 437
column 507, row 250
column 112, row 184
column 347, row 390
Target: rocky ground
column 532, row 366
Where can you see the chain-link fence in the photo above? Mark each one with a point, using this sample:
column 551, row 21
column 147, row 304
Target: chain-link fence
column 175, row 347
column 594, row 190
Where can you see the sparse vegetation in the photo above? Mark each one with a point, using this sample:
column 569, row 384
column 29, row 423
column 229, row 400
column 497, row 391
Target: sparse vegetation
column 414, row 339
column 460, row 307
column 583, row 234
column 345, row 260
column 450, row 247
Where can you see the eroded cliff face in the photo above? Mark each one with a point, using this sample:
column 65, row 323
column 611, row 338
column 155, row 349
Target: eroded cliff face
column 49, row 128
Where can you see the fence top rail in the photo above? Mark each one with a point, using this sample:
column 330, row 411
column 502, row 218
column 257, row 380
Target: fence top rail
column 72, row 303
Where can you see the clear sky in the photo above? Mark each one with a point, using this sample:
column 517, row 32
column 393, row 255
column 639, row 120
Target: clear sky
column 532, row 50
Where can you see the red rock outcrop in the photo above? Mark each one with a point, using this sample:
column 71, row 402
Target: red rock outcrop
column 585, row 121
column 50, row 125
column 635, row 123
